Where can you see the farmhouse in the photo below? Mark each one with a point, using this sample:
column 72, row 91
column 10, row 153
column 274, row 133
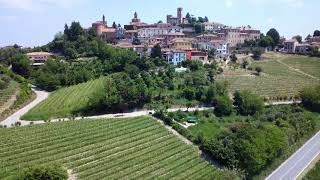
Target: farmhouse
column 39, row 58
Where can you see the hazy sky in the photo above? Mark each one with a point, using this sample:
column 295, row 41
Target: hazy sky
column 35, row 22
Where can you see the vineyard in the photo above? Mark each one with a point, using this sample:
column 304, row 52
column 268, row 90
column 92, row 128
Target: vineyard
column 276, row 82
column 8, row 96
column 65, row 102
column 310, row 65
column 139, row 148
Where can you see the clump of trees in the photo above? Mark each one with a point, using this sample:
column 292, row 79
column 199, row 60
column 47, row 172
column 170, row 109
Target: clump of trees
column 247, row 147
column 53, row 172
column 311, row 98
column 247, row 103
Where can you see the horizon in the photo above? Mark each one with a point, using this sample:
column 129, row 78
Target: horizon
column 34, row 23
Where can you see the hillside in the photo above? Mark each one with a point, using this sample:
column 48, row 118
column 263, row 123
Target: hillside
column 139, row 148
column 283, row 76
column 65, row 102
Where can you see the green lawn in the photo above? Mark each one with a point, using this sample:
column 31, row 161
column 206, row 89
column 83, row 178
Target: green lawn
column 313, row 174
column 139, row 148
column 65, row 102
column 277, row 80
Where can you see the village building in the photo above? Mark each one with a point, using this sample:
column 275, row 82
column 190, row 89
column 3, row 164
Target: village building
column 290, row 46
column 235, row 36
column 304, row 49
column 179, row 19
column 175, row 57
column 106, row 33
column 199, row 55
column 182, row 43
column 39, row 58
column 212, row 27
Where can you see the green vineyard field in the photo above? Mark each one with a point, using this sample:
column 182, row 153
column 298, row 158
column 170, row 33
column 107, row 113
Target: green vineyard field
column 65, row 102
column 139, row 148
column 277, row 80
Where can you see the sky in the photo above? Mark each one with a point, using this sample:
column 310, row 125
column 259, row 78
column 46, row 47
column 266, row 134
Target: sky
column 35, row 22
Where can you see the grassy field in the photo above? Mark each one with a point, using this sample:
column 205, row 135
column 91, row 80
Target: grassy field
column 314, row 173
column 277, row 80
column 139, row 148
column 65, row 102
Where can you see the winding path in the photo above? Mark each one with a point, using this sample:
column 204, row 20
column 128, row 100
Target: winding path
column 41, row 96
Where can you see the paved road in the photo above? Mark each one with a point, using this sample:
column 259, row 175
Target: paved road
column 41, row 96
column 293, row 167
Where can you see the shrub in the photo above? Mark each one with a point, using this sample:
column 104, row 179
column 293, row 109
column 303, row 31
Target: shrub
column 258, row 70
column 53, row 172
column 311, row 98
column 223, row 106
column 247, row 103
column 3, row 84
column 183, row 131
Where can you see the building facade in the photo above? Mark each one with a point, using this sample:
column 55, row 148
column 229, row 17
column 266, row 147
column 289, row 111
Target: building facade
column 176, row 20
column 290, row 46
column 39, row 58
column 175, row 57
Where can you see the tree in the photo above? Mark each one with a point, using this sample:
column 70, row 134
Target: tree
column 211, row 53
column 266, row 41
column 160, row 22
column 245, row 64
column 156, row 51
column 257, row 53
column 75, row 31
column 233, row 58
column 21, row 65
column 200, row 19
column 311, row 98
column 71, row 53
column 316, row 33
column 259, row 70
column 298, row 38
column 114, row 25
column 66, row 30
column 53, row 172
column 247, row 103
column 206, row 19
column 223, row 106
column 188, row 16
column 274, row 34
column 199, row 28
column 136, row 40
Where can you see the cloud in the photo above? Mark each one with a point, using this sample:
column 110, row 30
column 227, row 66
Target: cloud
column 31, row 5
column 229, row 3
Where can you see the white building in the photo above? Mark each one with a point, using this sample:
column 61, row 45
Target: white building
column 151, row 32
column 210, row 26
column 290, row 46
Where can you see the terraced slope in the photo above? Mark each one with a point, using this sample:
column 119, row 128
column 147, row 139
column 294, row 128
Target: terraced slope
column 139, row 148
column 8, row 96
column 277, row 80
column 65, row 102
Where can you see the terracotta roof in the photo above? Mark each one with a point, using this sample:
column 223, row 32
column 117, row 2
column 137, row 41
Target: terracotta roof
column 39, row 54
